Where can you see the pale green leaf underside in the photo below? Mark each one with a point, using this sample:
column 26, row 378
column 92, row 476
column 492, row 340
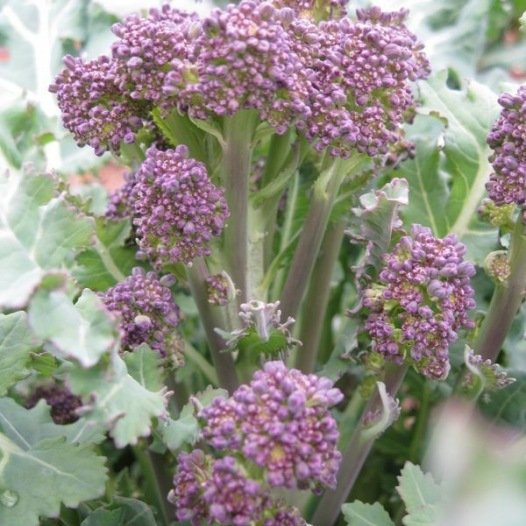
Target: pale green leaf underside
column 38, row 234
column 117, row 401
column 16, row 343
column 422, row 496
column 360, row 514
column 40, row 468
column 83, row 330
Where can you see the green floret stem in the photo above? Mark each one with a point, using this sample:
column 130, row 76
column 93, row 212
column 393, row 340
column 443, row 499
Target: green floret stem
column 356, row 452
column 317, row 298
column 324, row 194
column 237, row 153
column 212, row 318
column 506, row 299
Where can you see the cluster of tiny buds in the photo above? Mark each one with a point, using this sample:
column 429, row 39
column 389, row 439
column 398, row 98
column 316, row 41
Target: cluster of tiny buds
column 281, row 427
column 220, row 289
column 219, row 491
column 344, row 84
column 147, row 312
column 280, row 422
column 63, row 403
column 422, row 301
column 507, row 139
column 176, row 209
column 497, row 265
column 492, row 375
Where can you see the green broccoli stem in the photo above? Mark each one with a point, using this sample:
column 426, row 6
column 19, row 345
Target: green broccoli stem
column 317, row 298
column 237, row 152
column 324, row 194
column 356, row 453
column 506, row 299
column 211, row 317
column 157, row 485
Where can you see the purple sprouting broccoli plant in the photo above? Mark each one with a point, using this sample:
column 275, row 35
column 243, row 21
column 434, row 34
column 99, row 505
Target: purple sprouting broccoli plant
column 176, row 209
column 421, row 302
column 507, row 138
column 63, row 403
column 147, row 313
column 250, row 134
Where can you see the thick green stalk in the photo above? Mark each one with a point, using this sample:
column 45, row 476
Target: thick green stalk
column 324, row 194
column 317, row 298
column 211, row 318
column 156, row 490
column 506, row 299
column 355, row 454
column 237, row 150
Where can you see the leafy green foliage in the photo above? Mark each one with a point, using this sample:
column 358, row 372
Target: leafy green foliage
column 39, row 234
column 422, row 496
column 109, row 260
column 121, row 512
column 447, row 177
column 43, row 465
column 83, row 330
column 16, row 343
column 361, row 514
column 117, row 401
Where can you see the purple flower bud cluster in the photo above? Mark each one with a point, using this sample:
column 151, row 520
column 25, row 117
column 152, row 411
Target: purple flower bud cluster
column 217, row 288
column 243, row 60
column 93, row 108
column 63, row 402
column 421, row 302
column 344, row 84
column 148, row 48
column 220, row 492
column 280, row 422
column 176, row 208
column 360, row 75
column 507, row 138
column 147, row 311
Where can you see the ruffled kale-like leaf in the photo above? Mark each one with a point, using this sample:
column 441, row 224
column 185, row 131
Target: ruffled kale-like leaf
column 447, row 177
column 143, row 366
column 360, row 514
column 42, row 467
column 376, row 220
column 422, row 496
column 117, row 401
column 39, row 233
column 83, row 330
column 16, row 343
column 121, row 512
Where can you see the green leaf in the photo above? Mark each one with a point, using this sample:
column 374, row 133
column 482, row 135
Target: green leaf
column 376, row 219
column 38, row 234
column 16, row 344
column 118, row 402
column 121, row 512
column 108, row 261
column 447, row 177
column 144, row 366
column 361, row 514
column 41, row 468
column 185, row 429
column 422, row 496
column 83, row 330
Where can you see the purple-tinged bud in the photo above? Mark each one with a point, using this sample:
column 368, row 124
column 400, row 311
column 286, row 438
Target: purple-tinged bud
column 421, row 306
column 280, row 422
column 176, row 208
column 64, row 404
column 507, row 139
column 147, row 312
